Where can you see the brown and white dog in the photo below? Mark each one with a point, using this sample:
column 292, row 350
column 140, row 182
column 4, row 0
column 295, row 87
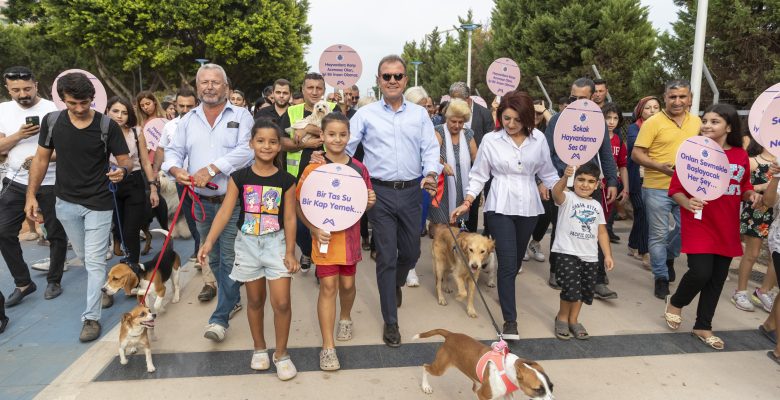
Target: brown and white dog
column 134, row 334
column 465, row 353
column 135, row 281
column 448, row 261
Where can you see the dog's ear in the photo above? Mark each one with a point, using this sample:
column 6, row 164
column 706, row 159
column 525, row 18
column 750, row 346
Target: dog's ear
column 462, row 242
column 491, row 246
column 131, row 281
column 127, row 317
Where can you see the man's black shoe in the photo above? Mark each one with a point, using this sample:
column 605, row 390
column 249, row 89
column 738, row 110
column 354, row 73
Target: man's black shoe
column 670, row 268
column 510, row 331
column 3, row 324
column 398, row 297
column 53, row 289
column 17, row 296
column 613, row 237
column 661, row 288
column 392, row 335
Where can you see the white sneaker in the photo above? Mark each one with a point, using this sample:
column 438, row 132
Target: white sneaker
column 43, row 265
column 235, row 309
column 215, row 332
column 526, row 257
column 74, row 262
column 109, row 255
column 260, row 360
column 763, row 300
column 536, row 250
column 411, row 279
column 741, row 300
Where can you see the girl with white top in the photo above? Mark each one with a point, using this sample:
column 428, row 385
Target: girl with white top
column 512, row 155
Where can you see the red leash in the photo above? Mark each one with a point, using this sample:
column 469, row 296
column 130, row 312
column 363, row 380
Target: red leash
column 195, row 200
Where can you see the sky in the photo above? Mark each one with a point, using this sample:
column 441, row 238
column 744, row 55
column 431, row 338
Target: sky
column 364, row 25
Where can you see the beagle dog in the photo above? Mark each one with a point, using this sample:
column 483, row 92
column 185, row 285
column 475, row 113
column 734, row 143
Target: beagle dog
column 135, row 279
column 134, row 333
column 495, row 374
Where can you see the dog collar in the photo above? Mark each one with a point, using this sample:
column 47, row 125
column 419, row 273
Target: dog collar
column 498, row 355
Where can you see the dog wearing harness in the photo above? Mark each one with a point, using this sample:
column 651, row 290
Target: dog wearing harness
column 494, row 371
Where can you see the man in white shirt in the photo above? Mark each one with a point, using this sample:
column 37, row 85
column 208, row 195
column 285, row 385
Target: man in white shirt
column 19, row 130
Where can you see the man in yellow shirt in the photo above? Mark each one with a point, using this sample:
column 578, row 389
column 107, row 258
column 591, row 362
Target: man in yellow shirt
column 656, row 149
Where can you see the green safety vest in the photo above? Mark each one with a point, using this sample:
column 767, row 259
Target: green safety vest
column 294, row 157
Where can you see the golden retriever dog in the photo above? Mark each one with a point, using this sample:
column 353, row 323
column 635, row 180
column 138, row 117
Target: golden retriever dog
column 448, row 261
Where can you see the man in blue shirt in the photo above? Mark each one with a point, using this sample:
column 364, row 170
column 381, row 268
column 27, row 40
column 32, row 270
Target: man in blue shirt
column 398, row 139
column 214, row 138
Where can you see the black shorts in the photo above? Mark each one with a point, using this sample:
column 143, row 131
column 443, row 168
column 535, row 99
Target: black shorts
column 575, row 277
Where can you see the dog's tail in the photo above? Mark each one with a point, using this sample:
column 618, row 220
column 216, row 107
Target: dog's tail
column 159, row 230
column 441, row 332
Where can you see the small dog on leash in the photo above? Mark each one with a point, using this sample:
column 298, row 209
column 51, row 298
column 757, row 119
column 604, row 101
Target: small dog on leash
column 134, row 333
column 168, row 191
column 135, row 280
column 495, row 375
column 319, row 111
column 447, row 260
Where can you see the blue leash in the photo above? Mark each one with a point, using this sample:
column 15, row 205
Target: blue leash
column 112, row 187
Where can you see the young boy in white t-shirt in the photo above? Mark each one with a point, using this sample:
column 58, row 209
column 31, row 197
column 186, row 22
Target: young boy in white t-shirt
column 581, row 229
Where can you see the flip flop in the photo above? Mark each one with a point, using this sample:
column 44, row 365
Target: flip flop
column 712, row 341
column 771, row 335
column 579, row 331
column 772, row 356
column 673, row 321
column 562, row 329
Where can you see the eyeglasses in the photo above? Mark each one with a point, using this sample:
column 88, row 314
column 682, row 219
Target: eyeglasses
column 355, row 97
column 398, row 77
column 12, row 76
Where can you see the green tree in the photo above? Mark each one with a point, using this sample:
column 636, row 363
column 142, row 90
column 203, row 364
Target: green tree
column 559, row 40
column 742, row 47
column 255, row 41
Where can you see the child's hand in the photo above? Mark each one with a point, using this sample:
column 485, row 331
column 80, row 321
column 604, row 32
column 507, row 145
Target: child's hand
column 371, row 198
column 774, row 170
column 291, row 263
column 695, row 204
column 322, row 237
column 203, row 253
column 609, row 263
column 756, row 199
column 569, row 171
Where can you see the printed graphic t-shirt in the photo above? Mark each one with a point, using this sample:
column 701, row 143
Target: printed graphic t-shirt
column 718, row 230
column 578, row 227
column 262, row 200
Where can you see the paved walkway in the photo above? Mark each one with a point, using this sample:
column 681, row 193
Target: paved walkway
column 632, row 352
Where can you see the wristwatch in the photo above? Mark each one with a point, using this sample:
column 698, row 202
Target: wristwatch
column 212, row 173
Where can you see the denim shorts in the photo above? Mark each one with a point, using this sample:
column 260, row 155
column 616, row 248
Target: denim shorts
column 259, row 257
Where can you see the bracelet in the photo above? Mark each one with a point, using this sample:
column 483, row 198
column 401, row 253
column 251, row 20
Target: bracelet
column 124, row 176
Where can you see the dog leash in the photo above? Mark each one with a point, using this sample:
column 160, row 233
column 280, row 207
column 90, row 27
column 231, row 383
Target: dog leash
column 462, row 255
column 25, row 165
column 188, row 190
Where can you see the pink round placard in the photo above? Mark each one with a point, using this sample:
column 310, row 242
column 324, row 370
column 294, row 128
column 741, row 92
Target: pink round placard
column 757, row 111
column 98, row 104
column 770, row 127
column 340, row 65
column 579, row 132
column 153, row 131
column 503, row 76
column 333, row 197
column 702, row 168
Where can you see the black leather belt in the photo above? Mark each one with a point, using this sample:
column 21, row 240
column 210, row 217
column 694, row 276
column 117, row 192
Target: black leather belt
column 212, row 199
column 397, row 185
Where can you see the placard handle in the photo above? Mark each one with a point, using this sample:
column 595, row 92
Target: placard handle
column 324, row 246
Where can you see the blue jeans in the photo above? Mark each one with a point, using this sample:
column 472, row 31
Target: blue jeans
column 88, row 231
column 221, row 260
column 663, row 242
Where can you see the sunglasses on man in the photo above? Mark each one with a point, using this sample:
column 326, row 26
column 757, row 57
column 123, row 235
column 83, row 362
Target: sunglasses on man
column 12, row 76
column 397, row 77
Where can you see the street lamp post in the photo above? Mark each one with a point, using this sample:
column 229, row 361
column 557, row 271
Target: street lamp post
column 416, row 64
column 469, row 28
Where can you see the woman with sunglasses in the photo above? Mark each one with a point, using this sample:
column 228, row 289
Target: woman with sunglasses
column 513, row 155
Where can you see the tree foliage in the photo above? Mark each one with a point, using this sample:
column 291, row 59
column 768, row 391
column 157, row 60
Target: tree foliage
column 742, row 47
column 256, row 41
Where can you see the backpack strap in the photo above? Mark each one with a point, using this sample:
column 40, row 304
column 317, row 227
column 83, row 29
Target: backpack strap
column 105, row 123
column 51, row 119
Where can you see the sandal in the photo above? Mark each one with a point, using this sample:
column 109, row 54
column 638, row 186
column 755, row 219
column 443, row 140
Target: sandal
column 579, row 331
column 672, row 320
column 771, row 335
column 562, row 329
column 712, row 341
column 772, row 356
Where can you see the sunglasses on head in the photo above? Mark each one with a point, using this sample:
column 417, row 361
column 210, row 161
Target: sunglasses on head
column 398, row 77
column 12, row 76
